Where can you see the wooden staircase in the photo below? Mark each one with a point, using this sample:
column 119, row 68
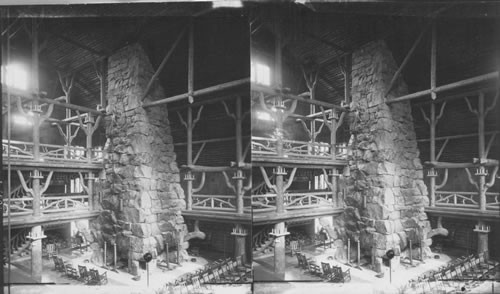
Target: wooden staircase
column 263, row 242
column 19, row 245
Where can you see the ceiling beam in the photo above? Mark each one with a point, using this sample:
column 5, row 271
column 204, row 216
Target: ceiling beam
column 326, row 42
column 78, row 44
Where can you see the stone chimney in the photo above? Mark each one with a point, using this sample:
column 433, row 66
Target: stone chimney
column 142, row 197
column 386, row 194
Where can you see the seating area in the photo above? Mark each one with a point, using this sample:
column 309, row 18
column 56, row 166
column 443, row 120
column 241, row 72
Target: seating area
column 82, row 273
column 221, row 271
column 329, row 273
column 468, row 271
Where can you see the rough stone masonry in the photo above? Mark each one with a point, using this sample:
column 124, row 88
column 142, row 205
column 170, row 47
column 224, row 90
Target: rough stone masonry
column 142, row 196
column 386, row 192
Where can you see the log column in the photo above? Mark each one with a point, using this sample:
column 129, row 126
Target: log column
column 482, row 238
column 240, row 235
column 279, row 232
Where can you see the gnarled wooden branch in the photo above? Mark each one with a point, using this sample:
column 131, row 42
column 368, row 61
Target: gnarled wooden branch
column 47, row 183
column 425, row 115
column 445, row 179
column 226, row 108
column 47, row 114
column 291, row 110
column 493, row 104
column 290, row 179
column 266, row 179
column 228, row 182
column 441, row 111
column 471, row 180
column 330, row 184
column 23, row 183
column 492, row 179
column 202, row 183
column 198, row 115
column 183, row 122
column 83, row 183
column 470, row 106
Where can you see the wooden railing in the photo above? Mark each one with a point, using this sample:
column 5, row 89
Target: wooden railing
column 467, row 200
column 49, row 204
column 214, row 202
column 295, row 200
column 48, row 152
column 18, row 206
column 226, row 203
column 296, row 149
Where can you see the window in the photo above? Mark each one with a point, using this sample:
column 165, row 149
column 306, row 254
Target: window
column 16, row 76
column 75, row 186
column 261, row 73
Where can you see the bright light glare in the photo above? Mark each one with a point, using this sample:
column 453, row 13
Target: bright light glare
column 260, row 73
column 16, row 76
column 264, row 116
column 227, row 3
column 22, row 120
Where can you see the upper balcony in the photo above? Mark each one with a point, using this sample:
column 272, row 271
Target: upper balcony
column 293, row 130
column 21, row 154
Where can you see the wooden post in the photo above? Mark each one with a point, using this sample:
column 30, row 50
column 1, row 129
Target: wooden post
column 411, row 251
column 239, row 190
column 105, row 255
column 239, row 137
column 36, row 245
column 348, row 250
column 359, row 253
column 279, row 251
column 178, row 253
column 90, row 188
column 482, row 154
column 114, row 255
column 280, row 201
column 333, row 134
column 432, row 152
column 433, row 60
column 168, row 259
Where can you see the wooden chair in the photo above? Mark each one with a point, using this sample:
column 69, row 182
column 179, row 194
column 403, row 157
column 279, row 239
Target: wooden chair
column 314, row 269
column 50, row 250
column 61, row 267
column 96, row 278
column 327, row 270
column 71, row 272
column 294, row 247
column 84, row 273
column 300, row 263
column 205, row 278
column 343, row 276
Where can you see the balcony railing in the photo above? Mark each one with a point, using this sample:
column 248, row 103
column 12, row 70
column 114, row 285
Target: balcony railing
column 48, row 152
column 18, row 206
column 468, row 200
column 52, row 204
column 221, row 203
column 48, row 204
column 295, row 201
column 296, row 149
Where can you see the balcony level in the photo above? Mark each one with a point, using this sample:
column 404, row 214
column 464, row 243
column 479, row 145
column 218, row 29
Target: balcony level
column 297, row 205
column 20, row 156
column 54, row 208
column 466, row 205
